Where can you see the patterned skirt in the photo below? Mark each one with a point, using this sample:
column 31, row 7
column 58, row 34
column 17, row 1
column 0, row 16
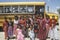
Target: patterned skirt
column 10, row 31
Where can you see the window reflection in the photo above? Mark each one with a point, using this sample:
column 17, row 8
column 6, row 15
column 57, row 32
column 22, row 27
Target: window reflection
column 7, row 9
column 22, row 9
column 41, row 9
column 15, row 9
column 30, row 9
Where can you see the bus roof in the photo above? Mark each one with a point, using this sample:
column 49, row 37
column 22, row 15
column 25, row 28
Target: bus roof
column 21, row 3
column 51, row 14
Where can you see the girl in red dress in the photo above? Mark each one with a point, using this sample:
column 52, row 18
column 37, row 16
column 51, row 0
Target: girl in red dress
column 47, row 23
column 5, row 27
column 42, row 29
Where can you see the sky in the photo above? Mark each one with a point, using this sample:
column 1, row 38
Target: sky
column 53, row 4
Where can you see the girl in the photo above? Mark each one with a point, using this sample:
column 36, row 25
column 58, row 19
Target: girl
column 47, row 23
column 35, row 27
column 22, row 22
column 42, row 29
column 31, row 33
column 5, row 27
column 53, row 27
column 10, row 28
column 15, row 25
column 20, row 36
column 56, row 32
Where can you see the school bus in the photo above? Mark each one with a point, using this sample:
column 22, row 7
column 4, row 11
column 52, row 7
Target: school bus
column 10, row 9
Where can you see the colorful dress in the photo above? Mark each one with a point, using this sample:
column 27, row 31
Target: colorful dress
column 42, row 30
column 23, row 25
column 15, row 27
column 5, row 28
column 10, row 29
column 35, row 26
column 47, row 23
column 20, row 36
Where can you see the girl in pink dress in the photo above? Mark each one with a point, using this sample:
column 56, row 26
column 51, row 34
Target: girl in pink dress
column 20, row 36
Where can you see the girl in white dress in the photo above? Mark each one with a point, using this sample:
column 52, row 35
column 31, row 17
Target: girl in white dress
column 53, row 31
column 31, row 33
column 15, row 25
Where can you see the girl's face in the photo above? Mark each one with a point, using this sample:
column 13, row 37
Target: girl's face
column 31, row 27
column 41, row 17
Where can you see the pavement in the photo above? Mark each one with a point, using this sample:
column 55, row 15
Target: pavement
column 2, row 36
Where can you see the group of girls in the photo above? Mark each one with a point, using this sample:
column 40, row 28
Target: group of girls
column 30, row 27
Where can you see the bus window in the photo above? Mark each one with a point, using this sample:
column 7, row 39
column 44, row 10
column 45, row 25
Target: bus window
column 39, row 10
column 15, row 9
column 22, row 9
column 1, row 9
column 30, row 9
column 6, row 9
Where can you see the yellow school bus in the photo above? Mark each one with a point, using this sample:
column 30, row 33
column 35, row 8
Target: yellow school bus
column 10, row 9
